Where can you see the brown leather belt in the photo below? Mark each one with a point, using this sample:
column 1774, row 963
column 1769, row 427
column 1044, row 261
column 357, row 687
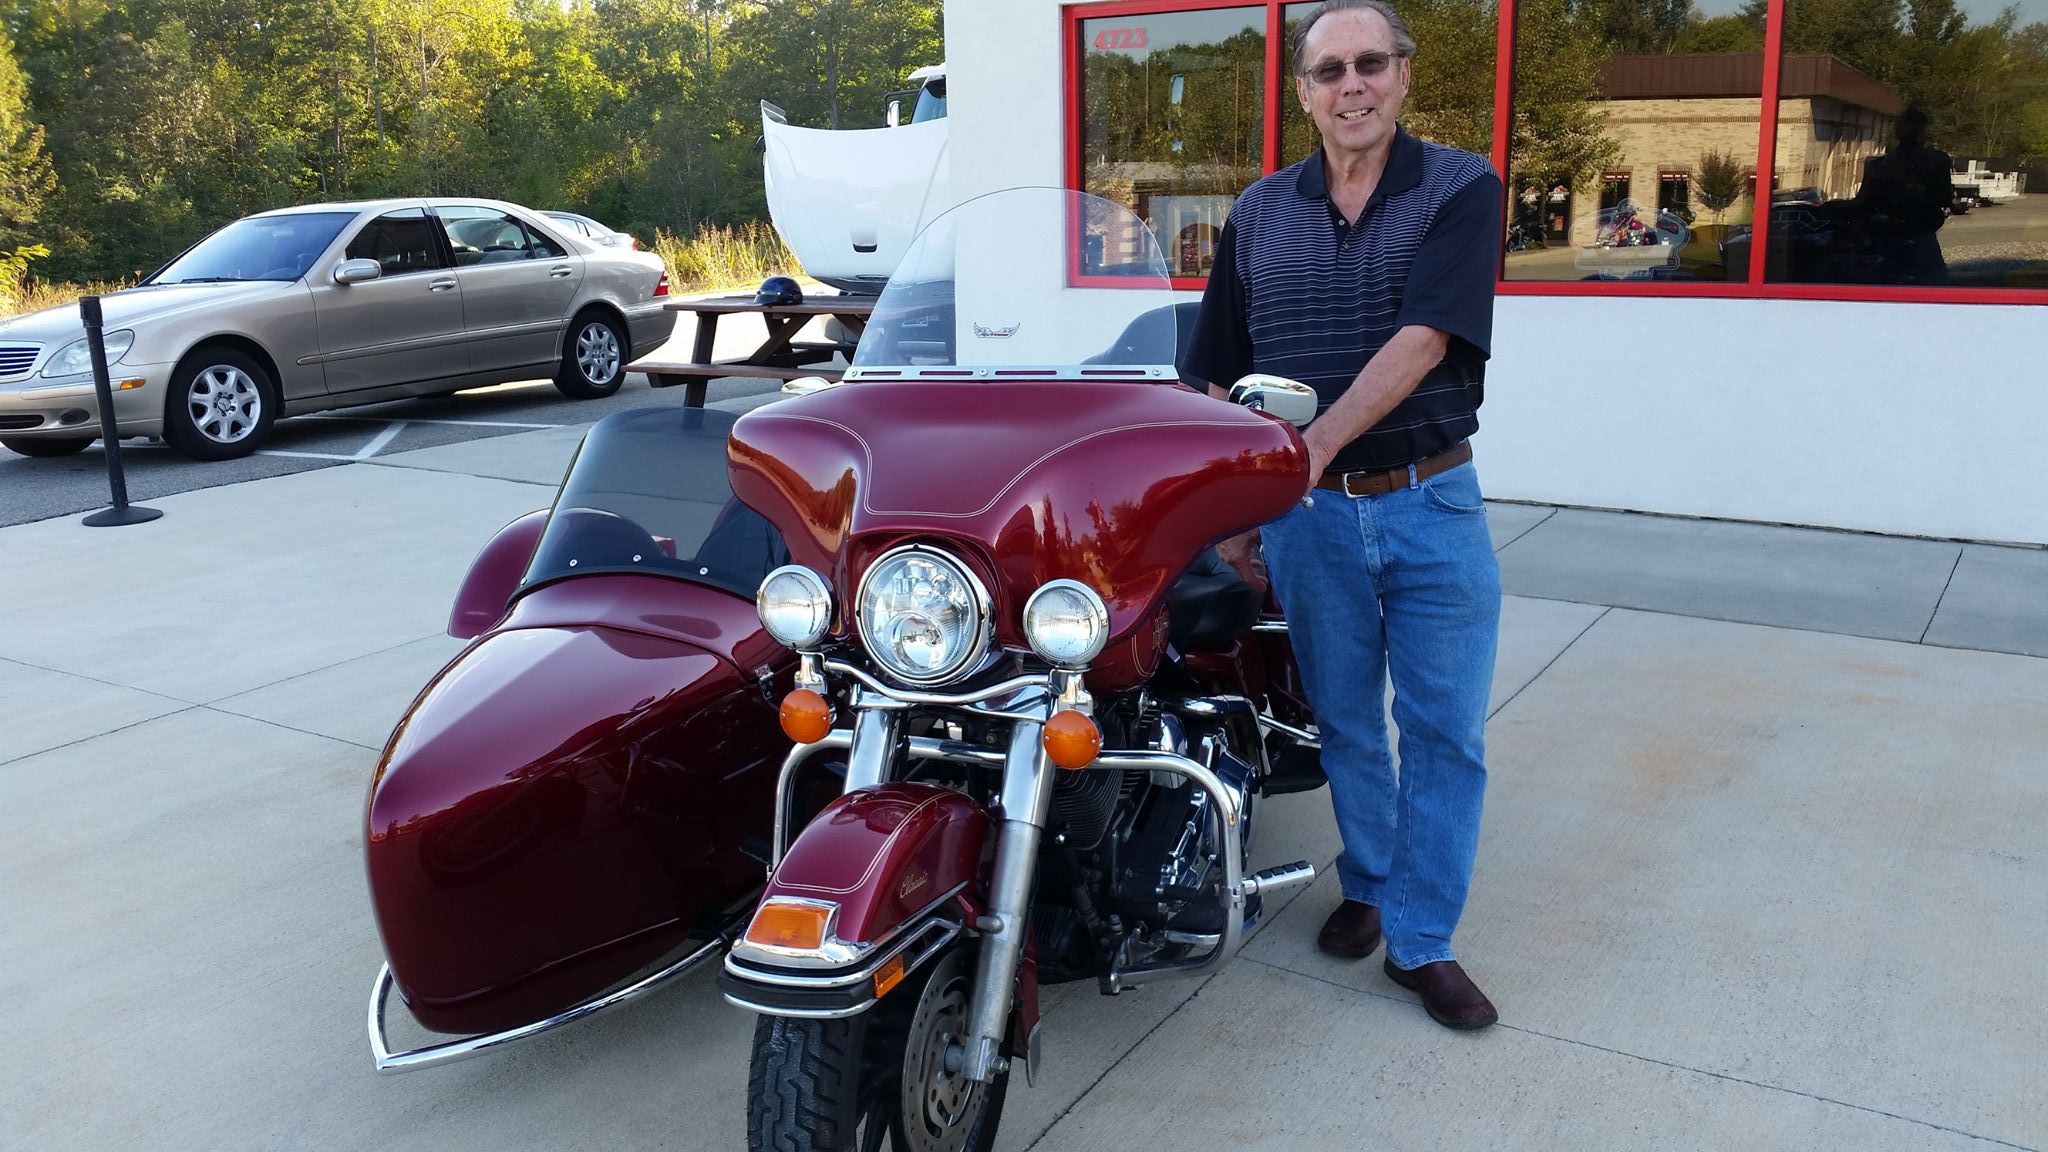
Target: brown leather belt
column 1379, row 483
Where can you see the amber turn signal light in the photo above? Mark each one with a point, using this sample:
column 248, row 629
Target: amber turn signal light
column 889, row 975
column 806, row 716
column 1072, row 740
column 786, row 925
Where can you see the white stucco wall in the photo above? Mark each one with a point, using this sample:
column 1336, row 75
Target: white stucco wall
column 1923, row 419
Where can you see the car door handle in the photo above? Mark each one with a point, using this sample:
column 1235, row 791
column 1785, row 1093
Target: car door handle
column 560, row 270
column 441, row 286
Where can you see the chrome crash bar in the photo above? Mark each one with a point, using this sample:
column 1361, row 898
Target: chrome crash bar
column 435, row 1055
column 1237, row 888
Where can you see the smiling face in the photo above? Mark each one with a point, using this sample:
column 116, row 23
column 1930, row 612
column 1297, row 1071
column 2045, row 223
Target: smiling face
column 1354, row 114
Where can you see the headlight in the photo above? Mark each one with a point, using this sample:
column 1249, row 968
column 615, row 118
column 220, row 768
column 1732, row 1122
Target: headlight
column 923, row 617
column 76, row 356
column 795, row 606
column 1066, row 623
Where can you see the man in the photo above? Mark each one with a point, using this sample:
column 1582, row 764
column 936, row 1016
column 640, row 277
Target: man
column 1367, row 271
column 1905, row 197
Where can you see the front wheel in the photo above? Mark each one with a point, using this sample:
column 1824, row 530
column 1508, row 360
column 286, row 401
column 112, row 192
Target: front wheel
column 221, row 406
column 842, row 1085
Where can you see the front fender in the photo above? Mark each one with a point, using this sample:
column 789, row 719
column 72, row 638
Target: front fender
column 899, row 867
column 883, row 854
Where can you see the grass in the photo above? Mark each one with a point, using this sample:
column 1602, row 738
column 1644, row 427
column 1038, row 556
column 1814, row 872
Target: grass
column 34, row 295
column 715, row 259
column 722, row 258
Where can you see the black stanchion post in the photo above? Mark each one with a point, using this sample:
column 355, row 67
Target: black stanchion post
column 122, row 512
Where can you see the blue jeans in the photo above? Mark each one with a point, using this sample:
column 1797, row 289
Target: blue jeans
column 1403, row 583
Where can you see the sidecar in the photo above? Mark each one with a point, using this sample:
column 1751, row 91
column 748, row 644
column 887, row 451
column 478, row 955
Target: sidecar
column 577, row 807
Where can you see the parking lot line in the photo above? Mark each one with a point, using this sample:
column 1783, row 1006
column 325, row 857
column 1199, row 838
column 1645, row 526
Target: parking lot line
column 344, row 458
column 377, row 444
column 428, row 420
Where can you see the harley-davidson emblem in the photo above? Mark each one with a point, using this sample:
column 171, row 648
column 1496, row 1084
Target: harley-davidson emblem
column 984, row 332
column 911, row 883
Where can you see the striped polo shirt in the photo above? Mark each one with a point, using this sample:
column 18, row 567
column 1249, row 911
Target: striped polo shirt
column 1300, row 292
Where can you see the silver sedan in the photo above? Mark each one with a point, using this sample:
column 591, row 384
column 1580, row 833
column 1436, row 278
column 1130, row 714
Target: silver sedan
column 332, row 305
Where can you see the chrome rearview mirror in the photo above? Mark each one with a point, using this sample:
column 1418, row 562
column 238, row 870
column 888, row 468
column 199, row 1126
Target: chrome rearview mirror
column 356, row 271
column 805, row 385
column 1290, row 400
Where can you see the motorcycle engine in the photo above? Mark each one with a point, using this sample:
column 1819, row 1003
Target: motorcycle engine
column 1085, row 803
column 1138, row 850
column 1168, row 867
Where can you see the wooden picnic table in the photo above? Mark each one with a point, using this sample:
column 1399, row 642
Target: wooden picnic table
column 779, row 357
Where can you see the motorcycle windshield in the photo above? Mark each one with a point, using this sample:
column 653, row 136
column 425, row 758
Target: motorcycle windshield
column 1027, row 282
column 648, row 493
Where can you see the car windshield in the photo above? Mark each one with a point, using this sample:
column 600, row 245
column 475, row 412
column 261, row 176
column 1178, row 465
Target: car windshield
column 1026, row 280
column 648, row 493
column 931, row 103
column 257, row 248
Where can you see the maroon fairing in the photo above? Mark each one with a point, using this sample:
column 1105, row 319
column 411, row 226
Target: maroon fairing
column 494, row 576
column 884, row 853
column 1116, row 484
column 568, row 799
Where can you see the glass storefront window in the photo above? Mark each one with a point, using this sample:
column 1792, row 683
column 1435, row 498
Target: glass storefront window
column 1450, row 97
column 1904, row 149
column 1903, row 142
column 1633, row 147
column 1173, row 124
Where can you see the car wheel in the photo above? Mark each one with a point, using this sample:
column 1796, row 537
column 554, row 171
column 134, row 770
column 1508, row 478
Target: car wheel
column 221, row 406
column 593, row 358
column 45, row 446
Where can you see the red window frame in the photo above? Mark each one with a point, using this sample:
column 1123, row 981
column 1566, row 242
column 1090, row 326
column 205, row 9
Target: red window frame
column 1757, row 288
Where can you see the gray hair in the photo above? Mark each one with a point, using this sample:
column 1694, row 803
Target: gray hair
column 1404, row 40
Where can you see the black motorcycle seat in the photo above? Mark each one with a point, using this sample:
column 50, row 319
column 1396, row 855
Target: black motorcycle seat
column 1147, row 333
column 1210, row 607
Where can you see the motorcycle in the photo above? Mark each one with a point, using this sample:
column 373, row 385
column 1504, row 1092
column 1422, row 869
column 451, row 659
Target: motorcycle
column 997, row 716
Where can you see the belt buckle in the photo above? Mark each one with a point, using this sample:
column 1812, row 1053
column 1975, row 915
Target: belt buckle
column 1350, row 477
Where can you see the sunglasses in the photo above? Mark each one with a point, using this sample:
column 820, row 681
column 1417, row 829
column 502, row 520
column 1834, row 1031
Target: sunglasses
column 1368, row 65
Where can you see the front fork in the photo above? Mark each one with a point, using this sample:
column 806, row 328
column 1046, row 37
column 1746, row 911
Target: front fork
column 1024, row 805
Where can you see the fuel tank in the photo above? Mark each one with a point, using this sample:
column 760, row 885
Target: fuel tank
column 581, row 791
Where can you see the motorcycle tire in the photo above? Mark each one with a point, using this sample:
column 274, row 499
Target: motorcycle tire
column 846, row 1085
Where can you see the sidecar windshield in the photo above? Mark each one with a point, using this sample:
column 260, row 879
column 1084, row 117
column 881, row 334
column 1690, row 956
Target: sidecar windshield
column 648, row 493
column 1026, row 281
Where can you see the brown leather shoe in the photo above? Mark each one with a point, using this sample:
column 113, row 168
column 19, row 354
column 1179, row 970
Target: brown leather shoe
column 1448, row 995
column 1352, row 931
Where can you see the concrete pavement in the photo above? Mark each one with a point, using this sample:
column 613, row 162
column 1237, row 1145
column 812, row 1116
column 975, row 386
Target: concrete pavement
column 1762, row 864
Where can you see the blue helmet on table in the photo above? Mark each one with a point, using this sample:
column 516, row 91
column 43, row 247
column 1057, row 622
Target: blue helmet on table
column 779, row 290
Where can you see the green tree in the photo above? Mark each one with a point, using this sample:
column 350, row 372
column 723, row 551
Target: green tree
column 830, row 62
column 1719, row 182
column 1864, row 33
column 1640, row 26
column 1559, row 133
column 1451, row 99
column 1720, row 34
column 26, row 176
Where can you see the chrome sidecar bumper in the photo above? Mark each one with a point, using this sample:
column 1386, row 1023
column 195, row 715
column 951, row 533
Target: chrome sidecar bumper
column 434, row 1055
